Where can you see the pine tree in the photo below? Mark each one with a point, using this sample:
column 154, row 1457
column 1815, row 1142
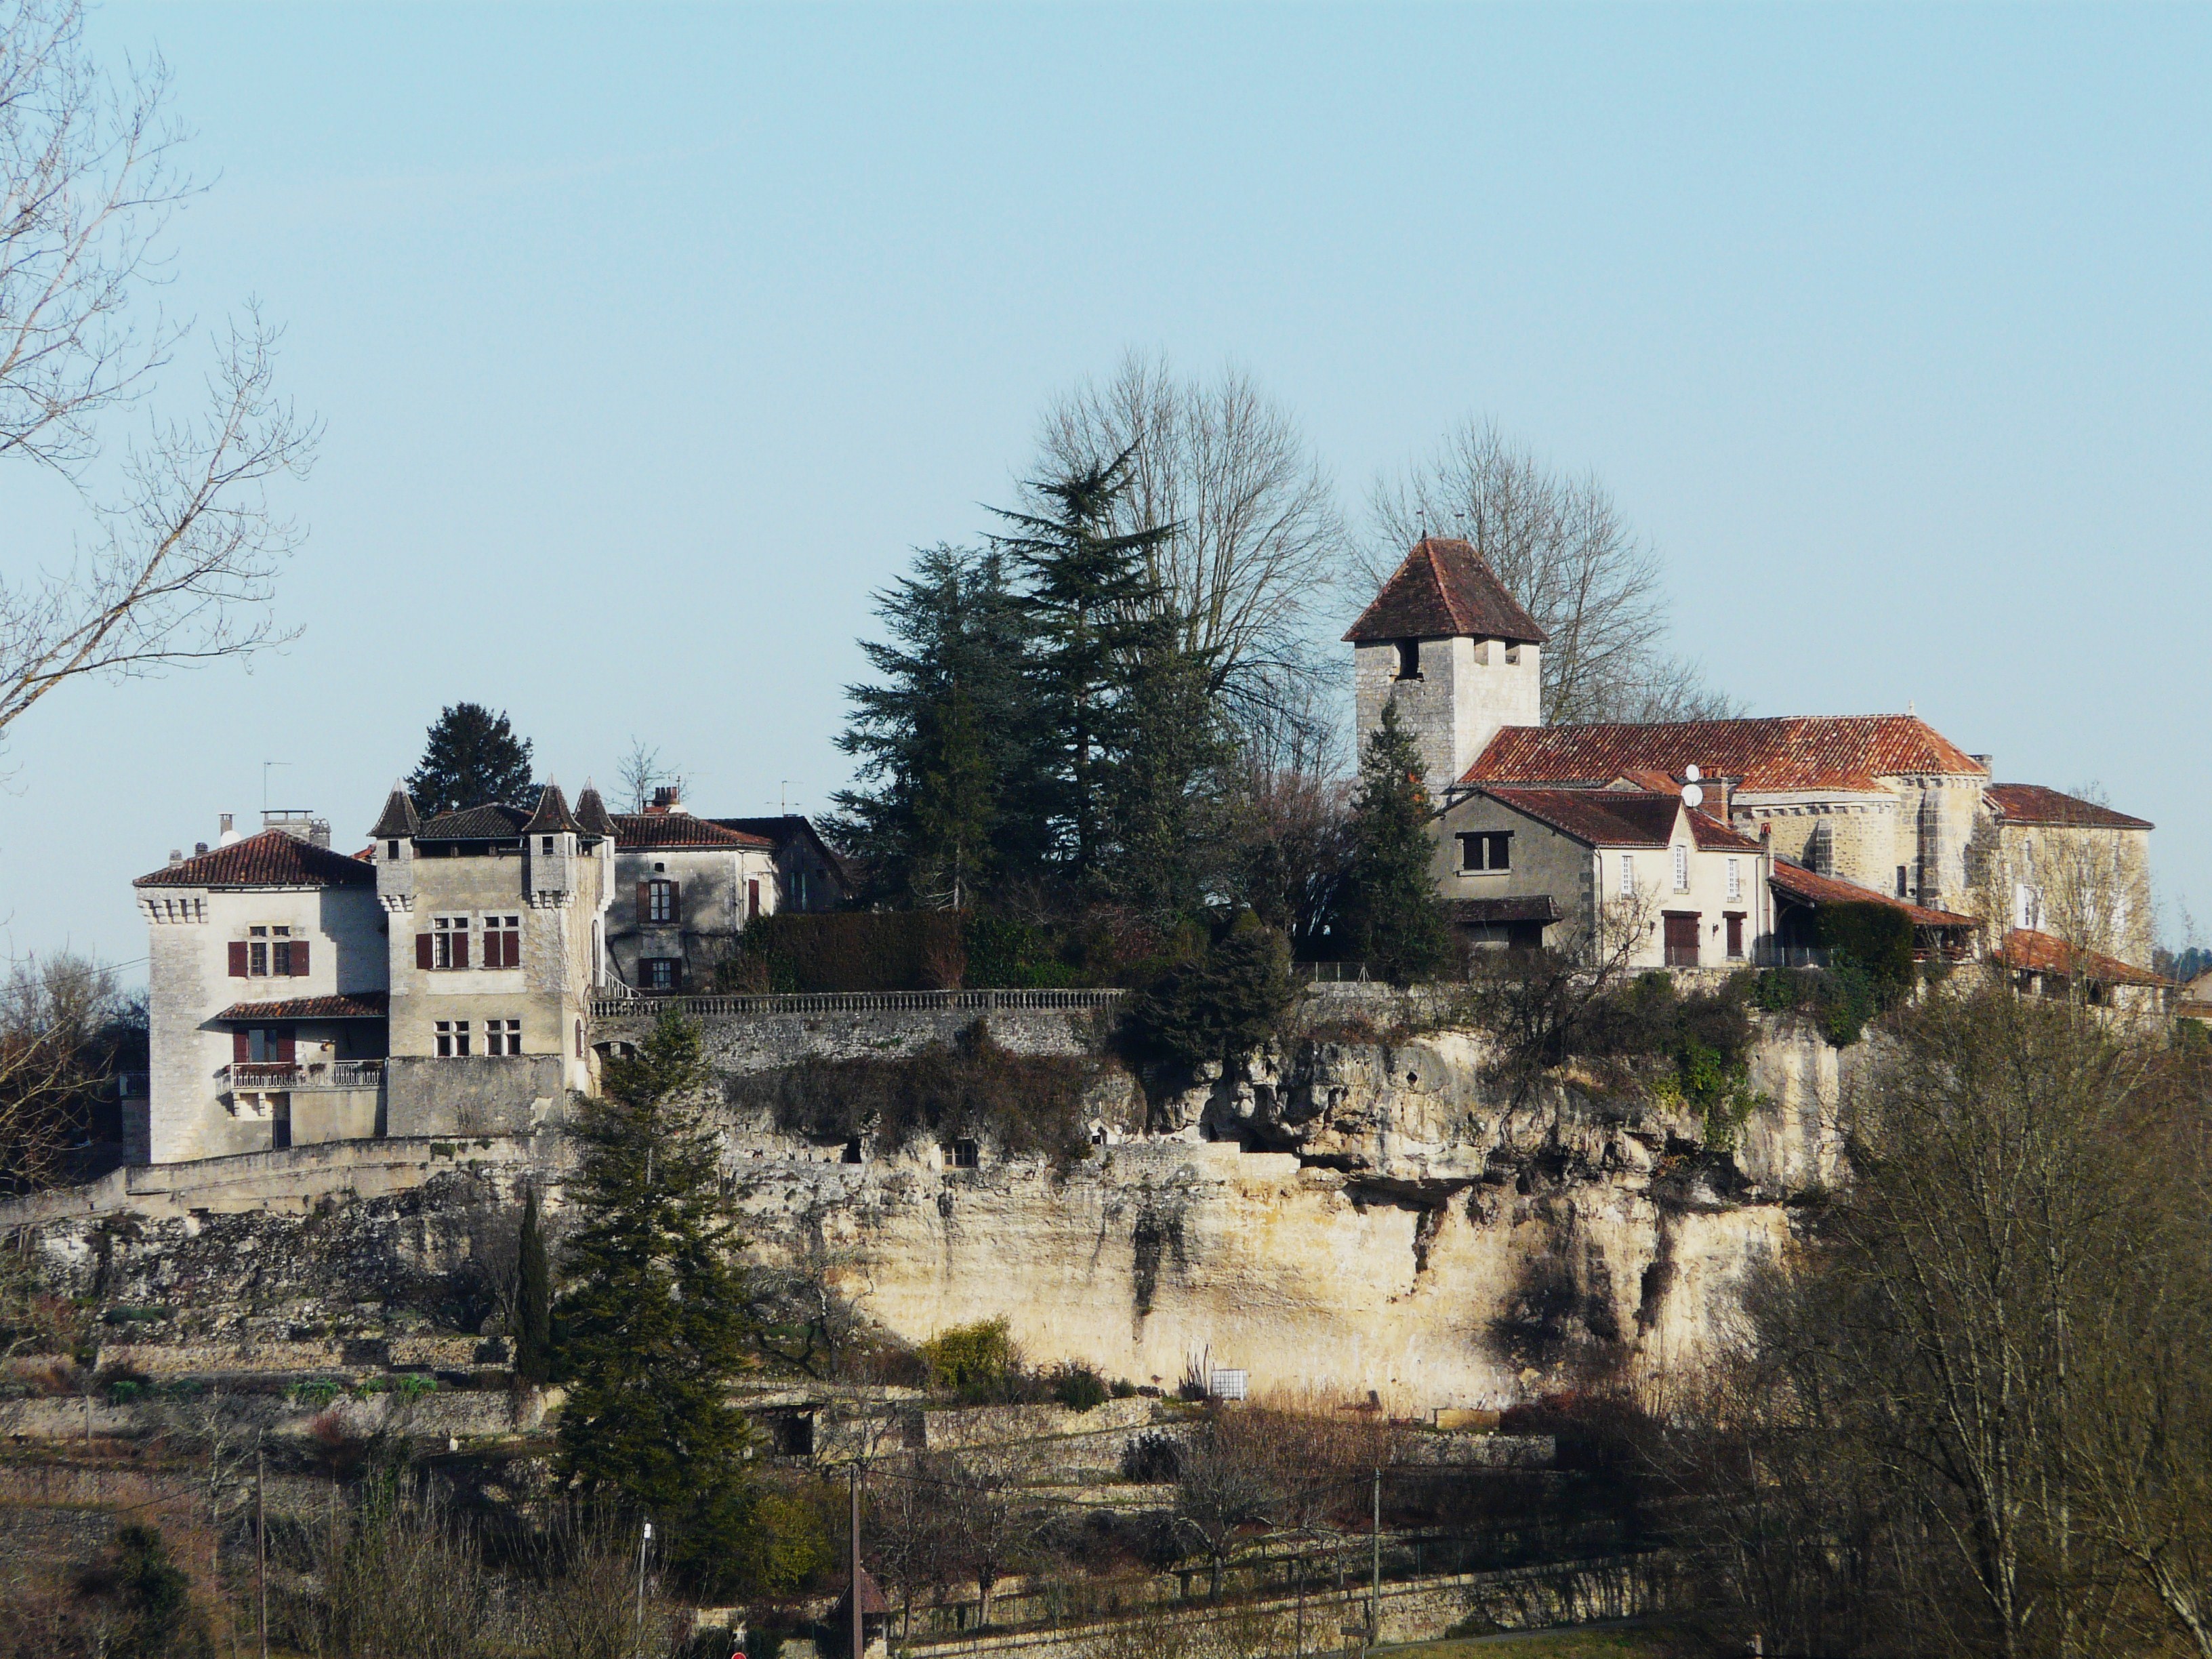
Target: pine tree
column 1394, row 920
column 533, row 1299
column 946, row 740
column 1168, row 834
column 473, row 758
column 653, row 1321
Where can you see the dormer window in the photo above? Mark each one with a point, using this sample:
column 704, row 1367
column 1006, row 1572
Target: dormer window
column 1409, row 659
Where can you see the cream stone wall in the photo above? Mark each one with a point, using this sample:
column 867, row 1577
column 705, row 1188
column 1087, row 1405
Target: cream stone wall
column 1467, row 690
column 2087, row 886
column 189, row 933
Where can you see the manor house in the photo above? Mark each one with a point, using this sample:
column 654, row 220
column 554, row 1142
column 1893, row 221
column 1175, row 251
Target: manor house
column 1722, row 839
column 441, row 979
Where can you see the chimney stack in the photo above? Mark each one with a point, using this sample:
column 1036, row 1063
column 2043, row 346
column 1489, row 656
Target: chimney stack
column 198, row 848
column 229, row 832
column 669, row 798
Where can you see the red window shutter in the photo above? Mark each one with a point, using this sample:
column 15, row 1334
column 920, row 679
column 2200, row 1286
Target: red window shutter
column 752, row 901
column 299, row 959
column 285, row 1052
column 644, row 902
column 238, row 958
column 511, row 950
column 460, row 948
column 241, row 1047
column 422, row 949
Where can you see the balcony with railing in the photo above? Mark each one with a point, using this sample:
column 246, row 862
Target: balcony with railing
column 274, row 1076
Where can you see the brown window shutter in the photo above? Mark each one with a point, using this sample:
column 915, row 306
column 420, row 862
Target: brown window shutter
column 422, row 949
column 286, row 1053
column 238, row 958
column 460, row 947
column 241, row 1047
column 644, row 902
column 299, row 959
column 675, row 901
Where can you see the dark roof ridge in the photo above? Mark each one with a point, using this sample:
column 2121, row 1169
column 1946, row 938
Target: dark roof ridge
column 552, row 817
column 1445, row 589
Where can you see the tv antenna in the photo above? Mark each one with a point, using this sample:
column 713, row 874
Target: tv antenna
column 265, row 765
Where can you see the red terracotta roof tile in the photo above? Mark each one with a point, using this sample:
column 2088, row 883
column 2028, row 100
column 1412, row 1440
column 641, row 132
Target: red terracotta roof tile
column 271, row 859
column 361, row 1004
column 1445, row 589
column 1792, row 752
column 1712, row 836
column 1795, row 881
column 1479, row 913
column 1598, row 817
column 637, row 831
column 2031, row 802
column 2025, row 948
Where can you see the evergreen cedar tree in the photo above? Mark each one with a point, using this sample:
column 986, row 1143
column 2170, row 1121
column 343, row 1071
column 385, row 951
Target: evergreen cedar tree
column 1395, row 921
column 152, row 1615
column 1036, row 725
column 1226, row 1002
column 473, row 758
column 533, row 1299
column 654, row 1323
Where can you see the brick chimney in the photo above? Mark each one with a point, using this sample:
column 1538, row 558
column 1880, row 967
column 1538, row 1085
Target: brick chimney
column 669, row 798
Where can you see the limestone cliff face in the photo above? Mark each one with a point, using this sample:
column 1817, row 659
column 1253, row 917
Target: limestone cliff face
column 1367, row 1215
column 1349, row 1215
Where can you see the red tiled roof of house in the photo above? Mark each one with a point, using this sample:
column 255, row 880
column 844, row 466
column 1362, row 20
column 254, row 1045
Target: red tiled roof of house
column 2031, row 802
column 2025, row 948
column 1443, row 590
column 361, row 1004
column 1598, row 817
column 271, row 859
column 1712, row 835
column 1799, row 751
column 1479, row 913
column 637, row 831
column 1795, row 881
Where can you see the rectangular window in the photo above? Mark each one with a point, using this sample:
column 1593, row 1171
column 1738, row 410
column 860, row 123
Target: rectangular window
column 258, row 958
column 545, row 845
column 391, row 852
column 660, row 901
column 1681, row 869
column 1483, row 851
column 502, row 1036
column 1901, row 881
column 1736, row 878
column 449, row 942
column 1627, row 876
column 503, row 942
column 964, row 1154
column 453, row 1039
column 660, row 973
column 1409, row 659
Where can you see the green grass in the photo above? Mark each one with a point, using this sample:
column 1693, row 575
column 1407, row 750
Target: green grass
column 1647, row 1642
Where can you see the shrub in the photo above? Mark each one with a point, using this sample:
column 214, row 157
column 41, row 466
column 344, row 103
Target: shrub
column 977, row 1362
column 1840, row 999
column 1149, row 1458
column 1004, row 954
column 1227, row 1001
column 1076, row 1386
column 848, row 950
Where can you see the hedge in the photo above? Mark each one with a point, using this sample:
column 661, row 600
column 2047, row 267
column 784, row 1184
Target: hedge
column 849, row 951
column 1877, row 937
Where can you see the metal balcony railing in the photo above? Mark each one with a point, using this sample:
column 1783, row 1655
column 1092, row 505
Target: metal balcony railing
column 856, row 1002
column 275, row 1075
column 1768, row 955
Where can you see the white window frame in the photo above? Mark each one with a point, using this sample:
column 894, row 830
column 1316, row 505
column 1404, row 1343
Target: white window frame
column 503, row 1036
column 1736, row 878
column 503, row 922
column 451, row 1039
column 1627, row 875
column 1681, row 868
column 442, row 929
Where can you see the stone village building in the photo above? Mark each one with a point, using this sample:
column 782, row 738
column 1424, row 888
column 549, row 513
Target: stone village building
column 440, row 981
column 1723, row 836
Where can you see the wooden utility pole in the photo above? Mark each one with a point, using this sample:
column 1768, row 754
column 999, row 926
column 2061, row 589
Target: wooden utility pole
column 261, row 1537
column 1374, row 1593
column 859, row 1630
column 637, row 1633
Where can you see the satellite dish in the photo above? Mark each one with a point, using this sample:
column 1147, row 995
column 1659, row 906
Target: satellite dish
column 1693, row 796
column 1692, row 772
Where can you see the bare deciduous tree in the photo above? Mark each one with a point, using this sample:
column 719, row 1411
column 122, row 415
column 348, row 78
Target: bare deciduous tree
column 51, row 1010
column 180, row 554
column 642, row 772
column 1259, row 544
column 1560, row 546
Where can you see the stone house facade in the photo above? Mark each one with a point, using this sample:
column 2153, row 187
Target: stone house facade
column 685, row 889
column 809, row 873
column 1692, row 892
column 265, row 998
column 497, row 947
column 2054, row 863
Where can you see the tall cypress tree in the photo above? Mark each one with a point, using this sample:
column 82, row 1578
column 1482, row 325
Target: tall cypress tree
column 1395, row 921
column 653, row 1321
column 533, row 1298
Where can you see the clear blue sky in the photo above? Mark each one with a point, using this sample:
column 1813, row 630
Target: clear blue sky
column 648, row 342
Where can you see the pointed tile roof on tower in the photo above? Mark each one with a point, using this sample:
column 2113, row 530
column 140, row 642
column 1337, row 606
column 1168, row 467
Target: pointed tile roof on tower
column 400, row 821
column 552, row 816
column 1444, row 589
column 592, row 811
